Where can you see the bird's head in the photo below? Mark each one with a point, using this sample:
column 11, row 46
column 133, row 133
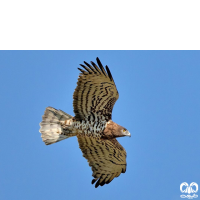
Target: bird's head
column 114, row 130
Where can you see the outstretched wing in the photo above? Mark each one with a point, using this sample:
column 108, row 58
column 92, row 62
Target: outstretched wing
column 95, row 94
column 107, row 158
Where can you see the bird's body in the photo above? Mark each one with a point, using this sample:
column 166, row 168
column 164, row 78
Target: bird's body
column 94, row 98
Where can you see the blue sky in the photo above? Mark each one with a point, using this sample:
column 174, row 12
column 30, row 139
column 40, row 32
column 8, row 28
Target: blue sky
column 158, row 103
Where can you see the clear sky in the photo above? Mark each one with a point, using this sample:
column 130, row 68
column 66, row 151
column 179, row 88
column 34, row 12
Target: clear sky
column 159, row 103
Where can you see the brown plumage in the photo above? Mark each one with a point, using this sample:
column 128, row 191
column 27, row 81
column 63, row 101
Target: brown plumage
column 95, row 94
column 94, row 99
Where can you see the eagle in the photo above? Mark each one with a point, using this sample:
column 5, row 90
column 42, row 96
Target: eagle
column 93, row 101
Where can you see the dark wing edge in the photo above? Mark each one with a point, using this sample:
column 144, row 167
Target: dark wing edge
column 89, row 69
column 107, row 158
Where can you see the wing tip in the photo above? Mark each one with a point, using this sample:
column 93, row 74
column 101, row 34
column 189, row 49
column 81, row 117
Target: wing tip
column 82, row 71
column 109, row 73
column 101, row 66
column 93, row 181
column 94, row 69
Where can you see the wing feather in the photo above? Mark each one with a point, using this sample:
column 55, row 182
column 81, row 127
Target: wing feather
column 86, row 68
column 95, row 94
column 95, row 66
column 107, row 158
column 101, row 67
column 84, row 72
column 90, row 67
column 109, row 73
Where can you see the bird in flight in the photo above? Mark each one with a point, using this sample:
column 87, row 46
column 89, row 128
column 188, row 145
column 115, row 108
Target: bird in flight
column 93, row 101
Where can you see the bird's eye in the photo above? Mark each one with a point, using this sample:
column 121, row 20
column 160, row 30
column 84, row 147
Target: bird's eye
column 124, row 130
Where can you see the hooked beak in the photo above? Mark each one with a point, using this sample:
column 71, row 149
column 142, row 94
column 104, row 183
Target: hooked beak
column 128, row 134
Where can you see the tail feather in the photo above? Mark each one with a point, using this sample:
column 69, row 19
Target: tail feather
column 55, row 126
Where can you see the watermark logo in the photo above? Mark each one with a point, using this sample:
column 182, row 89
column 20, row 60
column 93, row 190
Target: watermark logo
column 190, row 189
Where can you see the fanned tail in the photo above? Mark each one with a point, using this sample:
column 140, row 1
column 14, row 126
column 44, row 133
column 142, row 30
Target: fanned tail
column 56, row 125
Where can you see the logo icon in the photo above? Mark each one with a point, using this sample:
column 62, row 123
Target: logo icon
column 192, row 188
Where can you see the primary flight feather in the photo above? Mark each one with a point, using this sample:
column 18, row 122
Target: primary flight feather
column 94, row 98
